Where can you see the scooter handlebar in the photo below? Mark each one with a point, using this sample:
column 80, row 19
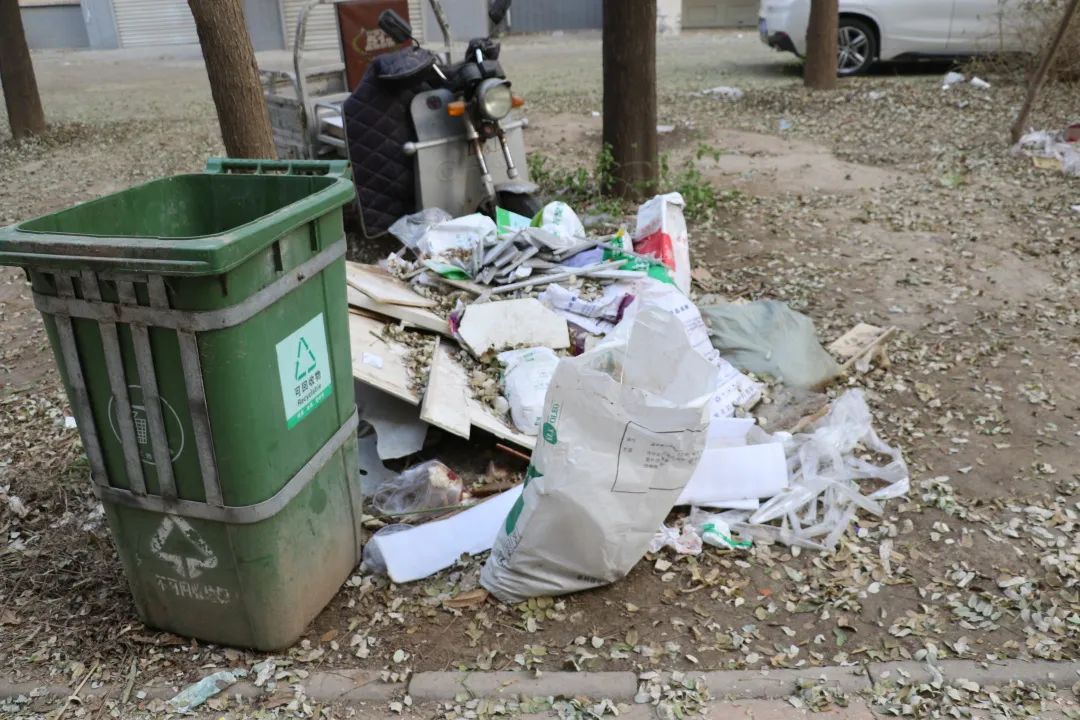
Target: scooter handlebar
column 497, row 11
column 393, row 25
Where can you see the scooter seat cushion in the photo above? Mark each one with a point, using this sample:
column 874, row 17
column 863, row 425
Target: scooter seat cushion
column 377, row 126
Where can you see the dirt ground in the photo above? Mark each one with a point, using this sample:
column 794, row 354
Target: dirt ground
column 888, row 201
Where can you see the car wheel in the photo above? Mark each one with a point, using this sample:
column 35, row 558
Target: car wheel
column 856, row 47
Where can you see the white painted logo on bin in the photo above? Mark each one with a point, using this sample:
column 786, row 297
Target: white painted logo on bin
column 304, row 370
column 178, row 544
column 174, row 429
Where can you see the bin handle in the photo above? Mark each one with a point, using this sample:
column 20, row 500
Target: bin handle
column 225, row 166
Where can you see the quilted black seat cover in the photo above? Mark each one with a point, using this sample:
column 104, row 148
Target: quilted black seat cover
column 377, row 124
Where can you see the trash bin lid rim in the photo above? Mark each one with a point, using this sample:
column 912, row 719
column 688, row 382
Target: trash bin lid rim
column 211, row 254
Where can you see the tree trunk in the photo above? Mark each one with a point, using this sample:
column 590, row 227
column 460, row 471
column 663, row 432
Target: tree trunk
column 17, row 75
column 234, row 78
column 630, row 95
column 821, row 50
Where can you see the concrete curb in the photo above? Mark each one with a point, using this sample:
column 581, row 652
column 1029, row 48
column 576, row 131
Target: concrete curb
column 357, row 686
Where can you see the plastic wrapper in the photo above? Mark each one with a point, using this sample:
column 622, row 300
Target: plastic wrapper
column 767, row 337
column 410, row 228
column 623, row 429
column 715, row 529
column 196, row 694
column 684, row 540
column 427, row 486
column 526, row 377
column 825, row 493
column 661, row 232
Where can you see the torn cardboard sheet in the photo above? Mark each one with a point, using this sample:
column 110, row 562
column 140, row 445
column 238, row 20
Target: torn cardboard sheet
column 399, row 430
column 426, row 549
column 509, row 324
column 372, row 471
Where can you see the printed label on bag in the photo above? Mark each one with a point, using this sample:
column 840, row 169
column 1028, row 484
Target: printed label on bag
column 652, row 460
column 304, row 370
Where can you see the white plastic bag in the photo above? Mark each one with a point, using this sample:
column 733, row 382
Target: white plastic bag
column 560, row 220
column 661, row 232
column 459, row 242
column 525, row 382
column 624, row 427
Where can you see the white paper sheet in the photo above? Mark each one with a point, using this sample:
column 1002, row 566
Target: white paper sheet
column 426, row 549
column 736, row 473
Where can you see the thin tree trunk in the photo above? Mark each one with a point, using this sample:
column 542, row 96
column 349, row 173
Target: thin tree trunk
column 821, row 50
column 17, row 75
column 630, row 94
column 1039, row 78
column 234, row 78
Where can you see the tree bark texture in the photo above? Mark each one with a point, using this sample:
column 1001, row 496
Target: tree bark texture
column 629, row 56
column 821, row 45
column 234, row 78
column 21, row 97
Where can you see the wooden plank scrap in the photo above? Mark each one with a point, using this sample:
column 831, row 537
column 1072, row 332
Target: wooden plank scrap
column 378, row 284
column 417, row 317
column 444, row 400
column 863, row 341
column 378, row 361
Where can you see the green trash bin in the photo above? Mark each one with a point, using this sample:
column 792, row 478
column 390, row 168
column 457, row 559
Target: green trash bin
column 201, row 328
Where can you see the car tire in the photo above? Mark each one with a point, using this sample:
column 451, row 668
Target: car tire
column 856, row 47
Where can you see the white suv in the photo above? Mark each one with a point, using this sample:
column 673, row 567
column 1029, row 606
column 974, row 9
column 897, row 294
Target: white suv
column 872, row 30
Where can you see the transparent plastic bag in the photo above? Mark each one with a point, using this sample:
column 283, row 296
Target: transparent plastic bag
column 410, row 228
column 824, row 494
column 427, row 486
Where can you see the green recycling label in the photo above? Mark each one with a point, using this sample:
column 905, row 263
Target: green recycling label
column 304, row 370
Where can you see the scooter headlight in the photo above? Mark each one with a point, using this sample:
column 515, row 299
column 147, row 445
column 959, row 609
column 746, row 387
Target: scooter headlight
column 495, row 98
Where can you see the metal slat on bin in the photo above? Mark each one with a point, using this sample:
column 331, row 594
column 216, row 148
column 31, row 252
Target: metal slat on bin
column 196, row 396
column 84, row 413
column 114, row 362
column 144, row 361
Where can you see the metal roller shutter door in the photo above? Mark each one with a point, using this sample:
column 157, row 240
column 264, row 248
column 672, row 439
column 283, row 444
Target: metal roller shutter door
column 322, row 29
column 719, row 13
column 142, row 23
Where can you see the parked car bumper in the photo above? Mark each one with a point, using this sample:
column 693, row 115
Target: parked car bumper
column 779, row 41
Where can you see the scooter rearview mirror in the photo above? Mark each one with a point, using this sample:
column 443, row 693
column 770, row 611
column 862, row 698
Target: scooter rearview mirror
column 497, row 11
column 393, row 25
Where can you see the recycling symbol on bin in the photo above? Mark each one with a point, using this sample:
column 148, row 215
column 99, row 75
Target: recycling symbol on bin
column 174, row 431
column 177, row 543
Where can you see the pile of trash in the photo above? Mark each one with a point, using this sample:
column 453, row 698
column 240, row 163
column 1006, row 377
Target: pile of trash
column 590, row 354
column 1058, row 150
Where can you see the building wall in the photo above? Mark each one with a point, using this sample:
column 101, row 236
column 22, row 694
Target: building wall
column 669, row 17
column 100, row 24
column 264, row 24
column 54, row 26
column 719, row 13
